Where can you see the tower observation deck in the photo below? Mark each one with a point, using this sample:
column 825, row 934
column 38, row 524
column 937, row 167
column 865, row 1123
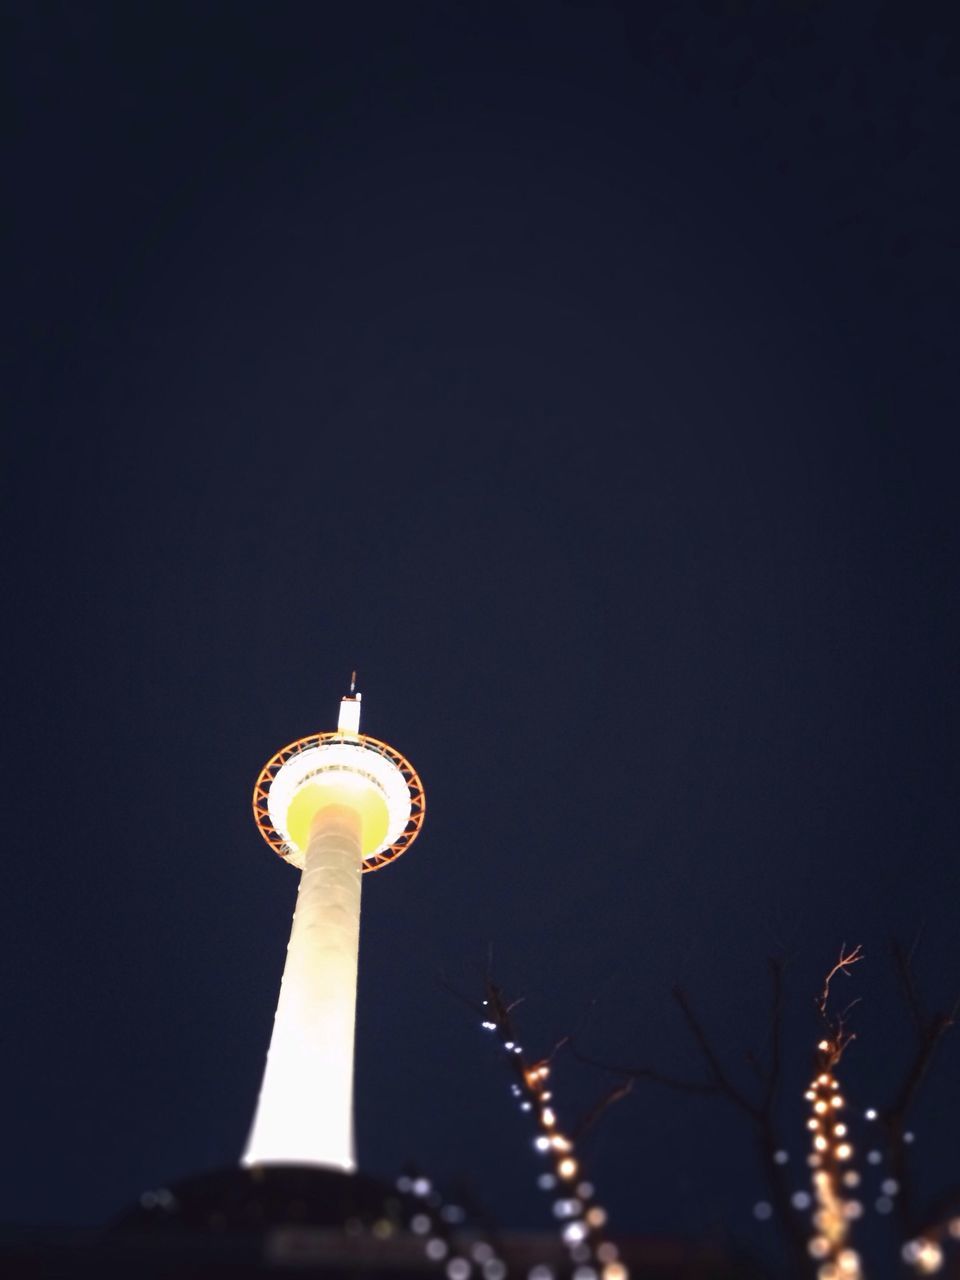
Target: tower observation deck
column 335, row 805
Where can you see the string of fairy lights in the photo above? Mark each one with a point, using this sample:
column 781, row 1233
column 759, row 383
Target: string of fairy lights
column 582, row 1218
column 832, row 1176
column 835, row 1179
column 439, row 1224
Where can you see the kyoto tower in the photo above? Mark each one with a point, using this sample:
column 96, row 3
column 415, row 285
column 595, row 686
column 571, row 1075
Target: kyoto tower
column 335, row 805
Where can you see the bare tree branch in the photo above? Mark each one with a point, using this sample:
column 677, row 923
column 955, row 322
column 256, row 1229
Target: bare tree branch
column 648, row 1073
column 709, row 1055
column 838, row 1037
column 612, row 1095
column 903, row 962
column 760, row 1112
column 929, row 1031
column 475, row 1005
column 775, row 966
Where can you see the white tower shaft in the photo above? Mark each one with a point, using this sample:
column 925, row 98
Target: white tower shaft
column 305, row 1111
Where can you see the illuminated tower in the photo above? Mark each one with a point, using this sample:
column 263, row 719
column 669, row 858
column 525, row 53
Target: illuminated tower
column 335, row 805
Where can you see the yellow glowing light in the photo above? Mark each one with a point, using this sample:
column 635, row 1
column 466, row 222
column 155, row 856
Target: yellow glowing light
column 823, row 1078
column 840, row 1130
column 820, row 1142
column 820, row 1107
column 813, row 1123
column 567, row 1168
column 818, row 1247
column 836, row 1101
column 844, row 1151
column 548, row 1117
column 352, row 792
column 824, row 1045
column 928, row 1257
column 615, row 1271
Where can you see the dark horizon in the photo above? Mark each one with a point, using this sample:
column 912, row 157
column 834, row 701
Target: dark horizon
column 582, row 376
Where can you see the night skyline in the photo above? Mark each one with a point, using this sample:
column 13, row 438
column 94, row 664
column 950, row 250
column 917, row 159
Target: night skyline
column 582, row 376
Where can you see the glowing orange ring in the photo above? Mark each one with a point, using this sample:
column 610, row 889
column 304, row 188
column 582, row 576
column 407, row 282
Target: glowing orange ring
column 418, row 801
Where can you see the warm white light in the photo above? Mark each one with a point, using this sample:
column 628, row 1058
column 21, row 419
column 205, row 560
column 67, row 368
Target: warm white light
column 925, row 1256
column 305, row 1111
column 614, row 1271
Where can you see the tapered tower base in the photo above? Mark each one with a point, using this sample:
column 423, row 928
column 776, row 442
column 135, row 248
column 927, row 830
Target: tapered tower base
column 305, row 1111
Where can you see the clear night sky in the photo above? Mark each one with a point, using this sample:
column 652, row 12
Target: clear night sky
column 584, row 375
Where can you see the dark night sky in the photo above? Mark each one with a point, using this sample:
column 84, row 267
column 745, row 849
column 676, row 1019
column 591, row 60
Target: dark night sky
column 580, row 373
